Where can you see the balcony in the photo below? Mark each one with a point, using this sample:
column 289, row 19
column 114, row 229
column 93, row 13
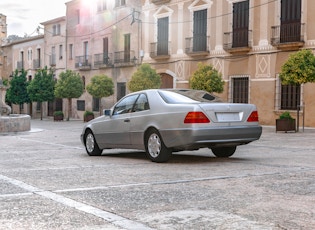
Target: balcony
column 83, row 62
column 159, row 2
column 238, row 41
column 124, row 58
column 36, row 64
column 52, row 60
column 197, row 46
column 288, row 36
column 20, row 65
column 160, row 50
column 103, row 60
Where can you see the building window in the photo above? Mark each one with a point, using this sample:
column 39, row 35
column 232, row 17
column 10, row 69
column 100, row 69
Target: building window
column 200, row 31
column 56, row 29
column 290, row 30
column 20, row 64
column 290, row 97
column 127, row 48
column 53, row 56
column 38, row 106
column 80, row 105
column 121, row 90
column 70, row 51
column 239, row 89
column 105, row 51
column 60, row 52
column 78, row 16
column 96, row 104
column 101, row 5
column 86, row 50
column 119, row 3
column 240, row 24
column 162, row 36
column 38, row 53
column 30, row 55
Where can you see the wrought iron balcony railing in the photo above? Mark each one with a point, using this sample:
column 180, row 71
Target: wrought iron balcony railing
column 20, row 65
column 83, row 62
column 52, row 60
column 160, row 49
column 103, row 60
column 36, row 63
column 287, row 33
column 124, row 58
column 237, row 39
column 197, row 44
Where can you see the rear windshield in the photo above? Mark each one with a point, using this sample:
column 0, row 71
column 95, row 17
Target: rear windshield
column 187, row 96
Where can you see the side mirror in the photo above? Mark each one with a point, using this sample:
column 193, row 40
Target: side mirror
column 107, row 112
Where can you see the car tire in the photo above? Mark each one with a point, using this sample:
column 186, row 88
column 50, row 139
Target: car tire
column 155, row 147
column 223, row 152
column 91, row 146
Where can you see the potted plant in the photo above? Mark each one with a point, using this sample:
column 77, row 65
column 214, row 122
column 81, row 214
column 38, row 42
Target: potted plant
column 285, row 122
column 88, row 115
column 58, row 116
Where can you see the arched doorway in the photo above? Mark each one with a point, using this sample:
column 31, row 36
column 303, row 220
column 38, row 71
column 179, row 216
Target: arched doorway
column 167, row 81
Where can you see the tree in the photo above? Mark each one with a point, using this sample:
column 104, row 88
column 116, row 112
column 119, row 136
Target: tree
column 41, row 88
column 100, row 86
column 17, row 92
column 299, row 68
column 144, row 78
column 13, row 37
column 207, row 78
column 69, row 85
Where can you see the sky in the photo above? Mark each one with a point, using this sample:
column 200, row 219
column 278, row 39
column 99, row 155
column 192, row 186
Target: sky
column 24, row 16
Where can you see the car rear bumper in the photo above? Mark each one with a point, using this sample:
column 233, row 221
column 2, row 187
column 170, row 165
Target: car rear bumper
column 223, row 136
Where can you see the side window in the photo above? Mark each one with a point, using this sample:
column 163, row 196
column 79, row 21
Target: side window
column 126, row 105
column 141, row 104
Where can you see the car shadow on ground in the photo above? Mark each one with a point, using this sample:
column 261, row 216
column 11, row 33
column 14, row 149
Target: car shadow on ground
column 186, row 157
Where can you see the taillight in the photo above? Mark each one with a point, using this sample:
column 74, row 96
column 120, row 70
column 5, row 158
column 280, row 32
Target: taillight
column 253, row 117
column 196, row 117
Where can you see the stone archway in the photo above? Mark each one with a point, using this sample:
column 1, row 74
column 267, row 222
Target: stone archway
column 167, row 81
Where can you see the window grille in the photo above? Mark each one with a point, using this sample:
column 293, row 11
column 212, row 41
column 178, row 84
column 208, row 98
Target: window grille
column 80, row 105
column 96, row 104
column 239, row 89
column 288, row 97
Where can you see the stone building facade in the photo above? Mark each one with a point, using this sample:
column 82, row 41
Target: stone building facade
column 246, row 40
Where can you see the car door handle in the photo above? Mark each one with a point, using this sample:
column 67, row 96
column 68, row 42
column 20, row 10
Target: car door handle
column 127, row 120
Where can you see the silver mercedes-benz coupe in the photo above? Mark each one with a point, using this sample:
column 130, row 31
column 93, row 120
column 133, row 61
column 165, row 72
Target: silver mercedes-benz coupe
column 162, row 121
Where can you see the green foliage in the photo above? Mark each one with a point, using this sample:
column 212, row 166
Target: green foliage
column 58, row 113
column 144, row 78
column 207, row 78
column 17, row 92
column 100, row 86
column 299, row 68
column 5, row 82
column 41, row 88
column 286, row 115
column 69, row 85
column 87, row 113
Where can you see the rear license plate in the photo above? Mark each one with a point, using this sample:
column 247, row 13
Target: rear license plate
column 224, row 117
